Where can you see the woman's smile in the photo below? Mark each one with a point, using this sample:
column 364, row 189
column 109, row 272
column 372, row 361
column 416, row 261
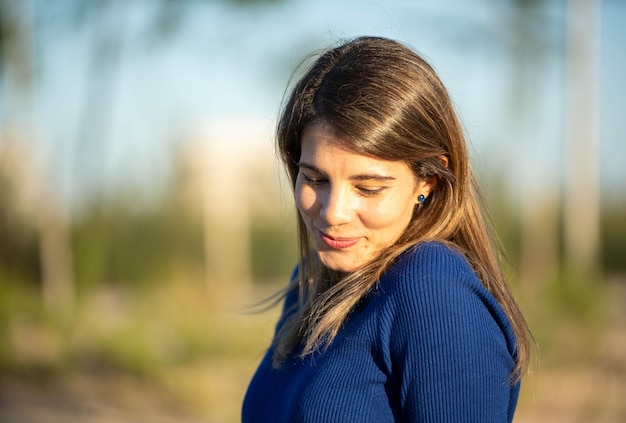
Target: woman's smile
column 338, row 243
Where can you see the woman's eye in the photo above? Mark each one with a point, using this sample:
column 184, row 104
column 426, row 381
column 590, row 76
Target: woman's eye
column 314, row 182
column 370, row 192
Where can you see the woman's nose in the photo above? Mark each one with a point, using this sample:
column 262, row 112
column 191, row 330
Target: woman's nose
column 337, row 207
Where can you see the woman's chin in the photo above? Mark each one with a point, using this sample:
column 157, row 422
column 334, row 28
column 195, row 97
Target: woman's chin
column 339, row 264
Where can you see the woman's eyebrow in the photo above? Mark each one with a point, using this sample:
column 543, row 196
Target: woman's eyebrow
column 376, row 177
column 359, row 177
column 311, row 167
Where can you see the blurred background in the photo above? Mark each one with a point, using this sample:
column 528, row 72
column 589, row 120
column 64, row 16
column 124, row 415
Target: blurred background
column 143, row 216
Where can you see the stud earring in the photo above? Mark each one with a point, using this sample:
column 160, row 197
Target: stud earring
column 421, row 199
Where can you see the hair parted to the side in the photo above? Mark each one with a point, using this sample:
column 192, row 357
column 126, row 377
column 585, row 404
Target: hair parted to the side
column 386, row 101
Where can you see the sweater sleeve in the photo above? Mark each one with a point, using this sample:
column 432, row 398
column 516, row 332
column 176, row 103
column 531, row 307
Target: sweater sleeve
column 450, row 346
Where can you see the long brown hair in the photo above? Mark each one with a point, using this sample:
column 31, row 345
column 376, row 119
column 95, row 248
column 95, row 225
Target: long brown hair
column 386, row 101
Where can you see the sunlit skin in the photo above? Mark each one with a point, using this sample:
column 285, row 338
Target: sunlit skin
column 353, row 205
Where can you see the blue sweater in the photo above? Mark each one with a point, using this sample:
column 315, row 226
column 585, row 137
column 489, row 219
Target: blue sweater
column 428, row 344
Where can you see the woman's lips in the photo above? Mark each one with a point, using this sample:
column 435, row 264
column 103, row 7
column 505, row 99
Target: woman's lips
column 338, row 243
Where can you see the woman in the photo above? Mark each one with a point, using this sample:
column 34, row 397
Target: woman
column 398, row 310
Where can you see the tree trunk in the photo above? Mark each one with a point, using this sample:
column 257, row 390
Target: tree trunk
column 582, row 197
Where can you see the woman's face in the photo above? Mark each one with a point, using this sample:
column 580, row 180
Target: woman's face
column 353, row 205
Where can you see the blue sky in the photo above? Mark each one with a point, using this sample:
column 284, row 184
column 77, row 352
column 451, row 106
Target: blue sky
column 231, row 62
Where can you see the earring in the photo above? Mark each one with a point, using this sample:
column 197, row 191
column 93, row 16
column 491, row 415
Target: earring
column 421, row 199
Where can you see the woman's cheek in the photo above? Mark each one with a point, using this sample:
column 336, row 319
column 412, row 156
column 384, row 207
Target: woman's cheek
column 305, row 198
column 379, row 214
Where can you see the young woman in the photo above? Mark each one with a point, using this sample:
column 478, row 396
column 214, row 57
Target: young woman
column 398, row 310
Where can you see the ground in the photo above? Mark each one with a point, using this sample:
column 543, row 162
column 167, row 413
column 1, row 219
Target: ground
column 590, row 388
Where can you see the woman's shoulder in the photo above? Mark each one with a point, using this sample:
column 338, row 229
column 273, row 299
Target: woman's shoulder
column 431, row 260
column 434, row 282
column 434, row 276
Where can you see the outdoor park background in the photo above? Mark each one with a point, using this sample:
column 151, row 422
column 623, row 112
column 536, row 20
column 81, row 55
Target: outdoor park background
column 142, row 214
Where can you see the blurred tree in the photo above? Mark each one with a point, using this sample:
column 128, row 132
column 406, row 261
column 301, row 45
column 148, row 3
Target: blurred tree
column 17, row 72
column 581, row 208
column 19, row 260
column 17, row 63
column 530, row 36
column 533, row 40
column 526, row 35
column 109, row 21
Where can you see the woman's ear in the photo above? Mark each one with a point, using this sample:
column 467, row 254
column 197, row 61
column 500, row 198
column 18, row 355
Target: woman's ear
column 425, row 186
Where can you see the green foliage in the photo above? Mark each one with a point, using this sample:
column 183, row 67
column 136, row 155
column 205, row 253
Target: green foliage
column 11, row 302
column 274, row 249
column 113, row 244
column 570, row 316
column 128, row 349
column 613, row 227
column 31, row 340
column 19, row 255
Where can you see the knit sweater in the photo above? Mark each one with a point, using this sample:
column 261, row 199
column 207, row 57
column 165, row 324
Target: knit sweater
column 428, row 344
